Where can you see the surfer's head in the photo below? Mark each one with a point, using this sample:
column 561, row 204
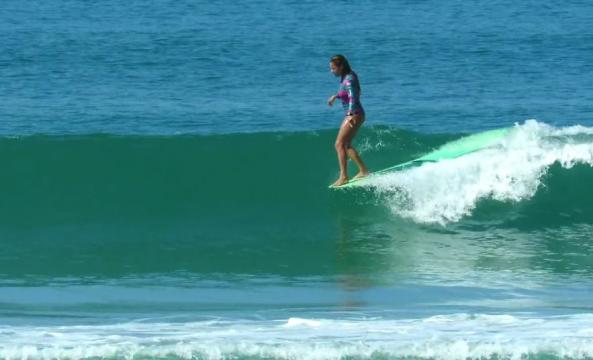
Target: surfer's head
column 339, row 66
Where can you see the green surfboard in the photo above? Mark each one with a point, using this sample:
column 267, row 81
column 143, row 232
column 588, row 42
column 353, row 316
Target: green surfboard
column 451, row 150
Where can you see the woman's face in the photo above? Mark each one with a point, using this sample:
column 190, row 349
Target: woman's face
column 334, row 69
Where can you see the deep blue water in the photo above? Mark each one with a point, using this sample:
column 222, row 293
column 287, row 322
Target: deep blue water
column 164, row 67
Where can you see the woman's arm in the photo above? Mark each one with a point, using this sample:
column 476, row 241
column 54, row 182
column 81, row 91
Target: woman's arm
column 353, row 92
column 331, row 100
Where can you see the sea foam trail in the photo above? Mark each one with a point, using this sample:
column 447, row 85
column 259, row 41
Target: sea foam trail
column 511, row 170
column 452, row 337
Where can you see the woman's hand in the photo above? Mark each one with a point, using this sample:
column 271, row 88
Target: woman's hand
column 331, row 100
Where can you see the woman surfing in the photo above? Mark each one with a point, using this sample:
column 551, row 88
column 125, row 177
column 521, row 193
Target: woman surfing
column 349, row 94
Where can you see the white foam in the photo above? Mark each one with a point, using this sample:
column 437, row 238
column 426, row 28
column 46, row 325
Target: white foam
column 451, row 337
column 292, row 322
column 511, row 170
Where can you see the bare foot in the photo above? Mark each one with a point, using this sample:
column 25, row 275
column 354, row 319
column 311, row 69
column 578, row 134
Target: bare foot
column 340, row 181
column 360, row 175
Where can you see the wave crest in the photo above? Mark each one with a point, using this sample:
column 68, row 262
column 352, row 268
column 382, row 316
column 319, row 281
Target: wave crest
column 510, row 171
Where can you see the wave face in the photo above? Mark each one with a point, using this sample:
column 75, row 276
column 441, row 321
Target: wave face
column 109, row 180
column 224, row 203
column 105, row 179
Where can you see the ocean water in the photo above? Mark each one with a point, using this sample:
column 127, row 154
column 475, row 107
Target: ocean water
column 164, row 167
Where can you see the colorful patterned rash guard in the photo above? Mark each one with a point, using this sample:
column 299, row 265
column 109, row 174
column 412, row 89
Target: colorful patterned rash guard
column 349, row 93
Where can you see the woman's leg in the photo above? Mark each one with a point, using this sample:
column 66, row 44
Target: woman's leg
column 343, row 140
column 341, row 151
column 351, row 151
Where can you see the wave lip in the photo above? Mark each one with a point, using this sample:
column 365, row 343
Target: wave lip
column 511, row 170
column 452, row 337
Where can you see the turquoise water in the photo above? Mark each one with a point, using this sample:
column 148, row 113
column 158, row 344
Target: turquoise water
column 165, row 169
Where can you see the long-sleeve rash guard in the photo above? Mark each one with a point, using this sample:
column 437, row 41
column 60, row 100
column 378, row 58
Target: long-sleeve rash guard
column 349, row 93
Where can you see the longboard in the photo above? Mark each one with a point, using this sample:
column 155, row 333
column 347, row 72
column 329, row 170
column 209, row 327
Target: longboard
column 451, row 150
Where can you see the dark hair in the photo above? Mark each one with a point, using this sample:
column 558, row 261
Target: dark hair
column 340, row 60
column 346, row 69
